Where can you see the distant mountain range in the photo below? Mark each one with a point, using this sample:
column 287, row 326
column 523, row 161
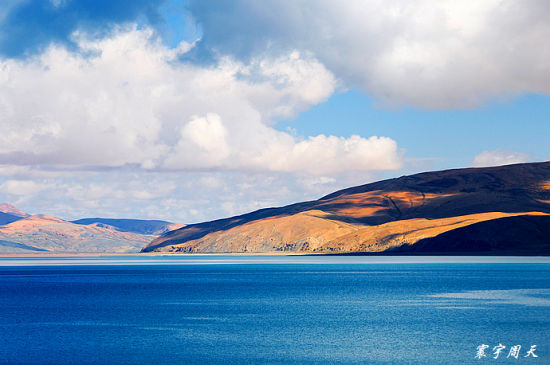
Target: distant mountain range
column 21, row 232
column 497, row 210
column 153, row 227
column 494, row 210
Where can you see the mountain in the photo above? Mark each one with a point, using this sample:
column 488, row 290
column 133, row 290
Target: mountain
column 46, row 233
column 154, row 227
column 10, row 209
column 416, row 213
column 7, row 246
column 9, row 213
column 21, row 232
column 6, row 218
column 503, row 235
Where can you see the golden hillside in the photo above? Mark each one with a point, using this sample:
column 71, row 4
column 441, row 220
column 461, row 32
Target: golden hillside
column 386, row 216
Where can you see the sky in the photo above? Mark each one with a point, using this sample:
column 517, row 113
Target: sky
column 192, row 110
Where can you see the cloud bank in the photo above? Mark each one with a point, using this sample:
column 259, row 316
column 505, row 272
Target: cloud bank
column 126, row 100
column 99, row 115
column 425, row 54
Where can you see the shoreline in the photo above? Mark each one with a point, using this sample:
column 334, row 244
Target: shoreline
column 271, row 253
column 140, row 254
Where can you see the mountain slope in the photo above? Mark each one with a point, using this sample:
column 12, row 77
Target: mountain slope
column 7, row 246
column 41, row 232
column 6, row 218
column 154, row 227
column 376, row 217
column 518, row 235
column 10, row 209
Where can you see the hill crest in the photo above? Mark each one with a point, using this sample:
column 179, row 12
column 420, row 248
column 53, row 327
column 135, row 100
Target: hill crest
column 434, row 196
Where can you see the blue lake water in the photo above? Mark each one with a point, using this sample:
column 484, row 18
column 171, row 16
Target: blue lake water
column 239, row 310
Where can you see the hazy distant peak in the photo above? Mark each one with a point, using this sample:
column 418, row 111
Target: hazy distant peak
column 154, row 227
column 10, row 209
column 44, row 217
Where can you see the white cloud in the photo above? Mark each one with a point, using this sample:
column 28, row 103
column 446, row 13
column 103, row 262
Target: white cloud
column 429, row 54
column 499, row 157
column 128, row 101
column 203, row 144
column 124, row 129
column 324, row 155
column 174, row 196
column 21, row 187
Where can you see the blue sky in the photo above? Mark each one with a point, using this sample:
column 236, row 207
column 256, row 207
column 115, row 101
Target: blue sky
column 439, row 138
column 191, row 110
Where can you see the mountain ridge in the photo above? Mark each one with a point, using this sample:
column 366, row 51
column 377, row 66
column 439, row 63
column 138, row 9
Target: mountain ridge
column 43, row 232
column 154, row 227
column 10, row 209
column 40, row 232
column 436, row 196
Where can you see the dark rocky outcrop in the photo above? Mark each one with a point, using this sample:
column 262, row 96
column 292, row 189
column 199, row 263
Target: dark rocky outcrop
column 519, row 235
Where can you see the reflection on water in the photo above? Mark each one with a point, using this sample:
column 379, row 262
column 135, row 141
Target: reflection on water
column 481, row 299
column 528, row 297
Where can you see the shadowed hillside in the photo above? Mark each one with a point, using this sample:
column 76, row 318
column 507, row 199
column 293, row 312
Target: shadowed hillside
column 378, row 216
column 7, row 246
column 6, row 218
column 524, row 234
column 154, row 227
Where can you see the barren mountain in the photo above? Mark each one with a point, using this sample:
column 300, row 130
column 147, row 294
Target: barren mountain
column 41, row 232
column 154, row 227
column 393, row 215
column 10, row 209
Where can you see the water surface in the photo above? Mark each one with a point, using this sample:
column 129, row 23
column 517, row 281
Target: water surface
column 271, row 309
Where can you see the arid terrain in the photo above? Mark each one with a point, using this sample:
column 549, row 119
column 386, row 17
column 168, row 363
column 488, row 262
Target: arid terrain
column 24, row 233
column 493, row 210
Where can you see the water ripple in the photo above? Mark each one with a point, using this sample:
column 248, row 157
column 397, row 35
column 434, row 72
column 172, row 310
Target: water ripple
column 527, row 297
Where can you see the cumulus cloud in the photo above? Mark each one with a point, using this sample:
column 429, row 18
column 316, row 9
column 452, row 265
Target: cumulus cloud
column 119, row 126
column 126, row 100
column 427, row 54
column 330, row 154
column 500, row 157
column 203, row 144
column 21, row 187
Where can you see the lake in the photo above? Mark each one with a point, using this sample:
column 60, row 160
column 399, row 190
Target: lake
column 273, row 309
